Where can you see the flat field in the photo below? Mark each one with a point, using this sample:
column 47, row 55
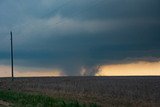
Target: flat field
column 105, row 91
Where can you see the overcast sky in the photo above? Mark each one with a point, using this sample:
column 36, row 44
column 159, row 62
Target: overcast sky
column 71, row 35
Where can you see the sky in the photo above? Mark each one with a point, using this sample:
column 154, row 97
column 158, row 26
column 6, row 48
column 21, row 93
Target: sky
column 79, row 37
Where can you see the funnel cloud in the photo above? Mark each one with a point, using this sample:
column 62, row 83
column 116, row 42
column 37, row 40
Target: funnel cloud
column 79, row 36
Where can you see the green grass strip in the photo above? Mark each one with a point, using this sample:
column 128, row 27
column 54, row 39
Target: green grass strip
column 20, row 99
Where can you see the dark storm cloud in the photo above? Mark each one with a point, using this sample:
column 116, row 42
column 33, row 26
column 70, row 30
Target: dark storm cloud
column 71, row 35
column 106, row 9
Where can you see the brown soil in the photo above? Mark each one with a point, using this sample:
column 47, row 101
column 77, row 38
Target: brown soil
column 4, row 104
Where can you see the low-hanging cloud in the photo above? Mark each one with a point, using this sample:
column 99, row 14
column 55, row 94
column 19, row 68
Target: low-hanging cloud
column 51, row 35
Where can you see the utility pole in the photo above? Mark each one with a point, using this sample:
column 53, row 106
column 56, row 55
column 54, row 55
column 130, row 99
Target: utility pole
column 12, row 69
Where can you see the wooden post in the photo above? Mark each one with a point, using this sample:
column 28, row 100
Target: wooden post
column 12, row 68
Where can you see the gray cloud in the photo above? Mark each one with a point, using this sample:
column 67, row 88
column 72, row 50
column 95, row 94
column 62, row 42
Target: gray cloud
column 71, row 35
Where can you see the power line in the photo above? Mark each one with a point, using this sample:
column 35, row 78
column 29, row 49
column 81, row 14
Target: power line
column 58, row 8
column 74, row 14
column 81, row 11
